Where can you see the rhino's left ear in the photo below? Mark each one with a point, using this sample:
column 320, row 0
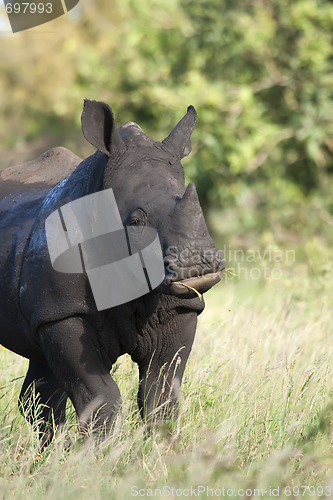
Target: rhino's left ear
column 180, row 138
column 99, row 128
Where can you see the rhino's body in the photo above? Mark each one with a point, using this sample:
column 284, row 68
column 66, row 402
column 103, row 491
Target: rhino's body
column 51, row 317
column 23, row 189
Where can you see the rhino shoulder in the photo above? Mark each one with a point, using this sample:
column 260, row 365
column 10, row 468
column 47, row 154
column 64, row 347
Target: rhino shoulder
column 48, row 169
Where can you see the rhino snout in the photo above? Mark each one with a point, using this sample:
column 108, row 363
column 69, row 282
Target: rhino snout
column 191, row 264
column 187, row 271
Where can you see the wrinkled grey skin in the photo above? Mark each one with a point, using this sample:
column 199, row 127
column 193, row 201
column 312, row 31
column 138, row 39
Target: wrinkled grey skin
column 51, row 317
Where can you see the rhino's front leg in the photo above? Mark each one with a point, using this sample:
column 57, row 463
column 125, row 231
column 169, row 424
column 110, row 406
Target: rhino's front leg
column 74, row 355
column 161, row 371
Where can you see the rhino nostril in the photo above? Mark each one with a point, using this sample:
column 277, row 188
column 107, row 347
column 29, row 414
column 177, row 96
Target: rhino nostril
column 170, row 278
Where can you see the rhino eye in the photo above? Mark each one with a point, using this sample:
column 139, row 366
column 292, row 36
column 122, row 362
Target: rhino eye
column 138, row 218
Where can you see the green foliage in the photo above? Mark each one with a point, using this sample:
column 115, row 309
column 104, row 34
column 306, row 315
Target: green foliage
column 256, row 408
column 259, row 73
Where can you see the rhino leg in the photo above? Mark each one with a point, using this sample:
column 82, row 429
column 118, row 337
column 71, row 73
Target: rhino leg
column 42, row 402
column 77, row 360
column 161, row 372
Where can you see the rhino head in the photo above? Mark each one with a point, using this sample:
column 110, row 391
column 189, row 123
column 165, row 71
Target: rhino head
column 148, row 182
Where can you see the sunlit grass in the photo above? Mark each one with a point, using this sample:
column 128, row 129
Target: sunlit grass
column 256, row 409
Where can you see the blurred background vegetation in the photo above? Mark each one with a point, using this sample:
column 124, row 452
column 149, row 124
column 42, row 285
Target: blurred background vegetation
column 259, row 73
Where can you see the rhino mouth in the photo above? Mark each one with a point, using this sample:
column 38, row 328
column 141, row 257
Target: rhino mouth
column 189, row 287
column 189, row 273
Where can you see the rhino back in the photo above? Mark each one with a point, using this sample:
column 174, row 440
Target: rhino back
column 47, row 170
column 26, row 273
column 22, row 190
column 57, row 295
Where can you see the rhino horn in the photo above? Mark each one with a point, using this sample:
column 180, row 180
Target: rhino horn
column 99, row 128
column 190, row 201
column 188, row 214
column 179, row 140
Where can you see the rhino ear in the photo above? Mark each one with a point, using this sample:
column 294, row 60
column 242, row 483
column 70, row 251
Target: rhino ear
column 99, row 127
column 179, row 140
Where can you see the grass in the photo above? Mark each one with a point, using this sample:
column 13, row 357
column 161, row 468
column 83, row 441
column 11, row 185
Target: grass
column 256, row 410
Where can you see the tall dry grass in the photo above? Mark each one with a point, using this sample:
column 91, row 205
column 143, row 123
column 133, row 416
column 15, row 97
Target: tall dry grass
column 256, row 415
